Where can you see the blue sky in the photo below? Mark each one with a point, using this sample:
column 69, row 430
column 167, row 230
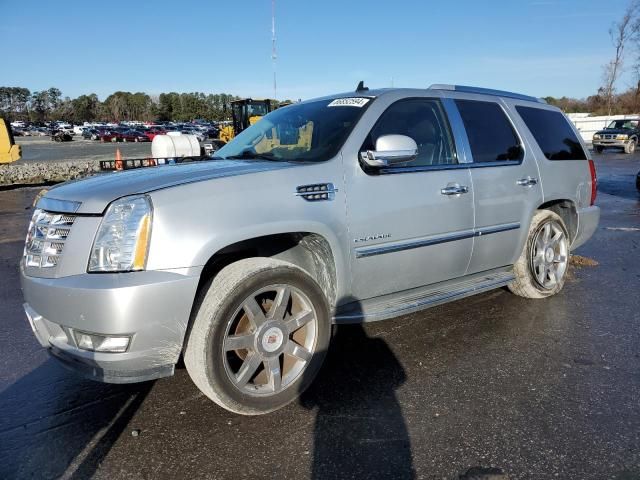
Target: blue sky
column 539, row 47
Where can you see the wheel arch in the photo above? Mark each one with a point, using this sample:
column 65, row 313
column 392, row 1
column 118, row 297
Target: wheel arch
column 310, row 251
column 566, row 209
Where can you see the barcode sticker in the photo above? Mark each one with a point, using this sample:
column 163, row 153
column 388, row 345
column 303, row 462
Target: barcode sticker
column 349, row 102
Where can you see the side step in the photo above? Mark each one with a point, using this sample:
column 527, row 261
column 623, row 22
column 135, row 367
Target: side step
column 416, row 299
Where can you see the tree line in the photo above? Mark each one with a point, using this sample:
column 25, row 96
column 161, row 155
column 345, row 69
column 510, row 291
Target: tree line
column 18, row 103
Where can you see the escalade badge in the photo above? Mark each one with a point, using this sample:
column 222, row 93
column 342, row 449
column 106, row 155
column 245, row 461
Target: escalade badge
column 369, row 238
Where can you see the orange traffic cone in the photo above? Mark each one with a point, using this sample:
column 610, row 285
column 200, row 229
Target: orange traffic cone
column 119, row 162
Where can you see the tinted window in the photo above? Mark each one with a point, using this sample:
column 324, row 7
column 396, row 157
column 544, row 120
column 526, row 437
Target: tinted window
column 425, row 122
column 490, row 133
column 553, row 133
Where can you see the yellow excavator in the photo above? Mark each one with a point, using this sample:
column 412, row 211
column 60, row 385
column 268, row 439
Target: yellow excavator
column 245, row 113
column 9, row 151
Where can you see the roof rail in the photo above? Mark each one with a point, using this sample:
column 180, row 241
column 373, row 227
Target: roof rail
column 486, row 91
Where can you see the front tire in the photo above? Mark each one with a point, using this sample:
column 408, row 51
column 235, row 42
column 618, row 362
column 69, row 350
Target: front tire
column 259, row 336
column 541, row 268
column 599, row 149
column 630, row 147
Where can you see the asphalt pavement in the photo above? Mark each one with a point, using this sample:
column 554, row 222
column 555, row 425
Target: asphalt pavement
column 489, row 385
column 42, row 149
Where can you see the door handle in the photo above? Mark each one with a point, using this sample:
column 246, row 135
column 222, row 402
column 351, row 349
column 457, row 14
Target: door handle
column 527, row 182
column 454, row 190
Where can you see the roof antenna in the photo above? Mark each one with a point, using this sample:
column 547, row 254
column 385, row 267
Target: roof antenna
column 361, row 87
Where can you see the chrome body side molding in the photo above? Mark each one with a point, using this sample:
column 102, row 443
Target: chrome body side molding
column 362, row 252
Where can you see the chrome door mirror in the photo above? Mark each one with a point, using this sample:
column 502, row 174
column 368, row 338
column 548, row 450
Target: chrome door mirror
column 391, row 150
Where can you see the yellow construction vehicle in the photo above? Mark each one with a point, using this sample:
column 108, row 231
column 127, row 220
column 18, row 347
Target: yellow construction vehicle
column 9, row 151
column 245, row 113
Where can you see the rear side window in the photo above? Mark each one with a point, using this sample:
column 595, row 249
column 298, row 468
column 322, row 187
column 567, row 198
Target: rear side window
column 491, row 135
column 554, row 135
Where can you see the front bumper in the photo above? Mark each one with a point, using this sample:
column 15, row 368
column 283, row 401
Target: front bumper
column 610, row 143
column 153, row 307
column 588, row 220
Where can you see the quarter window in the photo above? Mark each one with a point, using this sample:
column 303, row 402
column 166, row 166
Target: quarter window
column 554, row 135
column 491, row 135
column 423, row 120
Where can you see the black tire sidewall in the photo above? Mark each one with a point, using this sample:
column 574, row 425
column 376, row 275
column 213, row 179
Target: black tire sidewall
column 215, row 370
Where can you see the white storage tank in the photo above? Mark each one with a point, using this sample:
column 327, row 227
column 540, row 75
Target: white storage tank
column 175, row 146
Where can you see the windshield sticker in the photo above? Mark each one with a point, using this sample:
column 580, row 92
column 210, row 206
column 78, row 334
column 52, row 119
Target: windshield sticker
column 349, row 102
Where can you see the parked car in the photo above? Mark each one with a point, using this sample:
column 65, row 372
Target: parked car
column 152, row 132
column 349, row 208
column 622, row 134
column 123, row 136
column 92, row 133
column 133, row 135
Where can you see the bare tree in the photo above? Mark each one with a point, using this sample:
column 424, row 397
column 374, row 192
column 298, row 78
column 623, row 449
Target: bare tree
column 621, row 33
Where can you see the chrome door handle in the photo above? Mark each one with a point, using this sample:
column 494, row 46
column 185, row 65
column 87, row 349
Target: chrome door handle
column 527, row 182
column 454, row 190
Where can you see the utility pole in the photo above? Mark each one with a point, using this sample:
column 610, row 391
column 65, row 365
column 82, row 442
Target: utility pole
column 273, row 47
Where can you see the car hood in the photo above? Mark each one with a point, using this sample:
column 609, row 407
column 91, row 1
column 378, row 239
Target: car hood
column 615, row 131
column 92, row 195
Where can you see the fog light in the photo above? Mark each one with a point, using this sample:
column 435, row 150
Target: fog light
column 101, row 343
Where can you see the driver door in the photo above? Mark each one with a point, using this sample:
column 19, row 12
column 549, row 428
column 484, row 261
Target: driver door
column 405, row 230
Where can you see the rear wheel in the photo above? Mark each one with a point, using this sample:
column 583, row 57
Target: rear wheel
column 259, row 336
column 541, row 269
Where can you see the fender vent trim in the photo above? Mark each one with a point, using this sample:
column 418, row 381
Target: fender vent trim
column 317, row 192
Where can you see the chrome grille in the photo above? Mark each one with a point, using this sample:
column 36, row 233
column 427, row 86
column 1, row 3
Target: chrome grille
column 46, row 237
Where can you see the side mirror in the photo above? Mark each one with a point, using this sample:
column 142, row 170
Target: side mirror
column 391, row 150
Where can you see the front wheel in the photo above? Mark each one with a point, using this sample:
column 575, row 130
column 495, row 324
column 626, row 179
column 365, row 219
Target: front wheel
column 599, row 149
column 630, row 147
column 259, row 336
column 541, row 269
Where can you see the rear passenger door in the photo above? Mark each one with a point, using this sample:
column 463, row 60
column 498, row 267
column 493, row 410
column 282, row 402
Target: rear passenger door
column 506, row 183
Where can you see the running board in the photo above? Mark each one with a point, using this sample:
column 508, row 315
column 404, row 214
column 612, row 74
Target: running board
column 414, row 300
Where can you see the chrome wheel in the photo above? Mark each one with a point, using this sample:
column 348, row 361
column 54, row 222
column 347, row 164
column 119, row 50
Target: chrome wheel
column 549, row 254
column 269, row 340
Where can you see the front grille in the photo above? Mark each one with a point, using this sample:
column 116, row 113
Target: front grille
column 46, row 238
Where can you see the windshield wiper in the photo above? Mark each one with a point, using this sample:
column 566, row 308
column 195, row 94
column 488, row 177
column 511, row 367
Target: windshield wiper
column 246, row 155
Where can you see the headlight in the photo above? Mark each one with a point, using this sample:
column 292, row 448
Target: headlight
column 596, row 137
column 622, row 137
column 122, row 240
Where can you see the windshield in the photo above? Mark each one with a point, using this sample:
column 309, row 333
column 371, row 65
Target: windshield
column 307, row 132
column 622, row 124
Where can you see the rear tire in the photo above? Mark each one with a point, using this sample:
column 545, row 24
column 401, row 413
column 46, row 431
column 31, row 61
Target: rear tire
column 259, row 336
column 541, row 269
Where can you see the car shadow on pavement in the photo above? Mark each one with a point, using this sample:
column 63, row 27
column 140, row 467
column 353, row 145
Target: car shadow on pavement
column 55, row 424
column 359, row 429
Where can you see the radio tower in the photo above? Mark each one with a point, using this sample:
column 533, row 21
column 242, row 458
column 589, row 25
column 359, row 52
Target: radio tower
column 273, row 46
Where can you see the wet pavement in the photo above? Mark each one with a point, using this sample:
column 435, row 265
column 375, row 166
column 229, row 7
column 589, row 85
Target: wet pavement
column 527, row 388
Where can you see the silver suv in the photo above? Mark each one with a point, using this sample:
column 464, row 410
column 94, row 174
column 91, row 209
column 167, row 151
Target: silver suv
column 350, row 208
